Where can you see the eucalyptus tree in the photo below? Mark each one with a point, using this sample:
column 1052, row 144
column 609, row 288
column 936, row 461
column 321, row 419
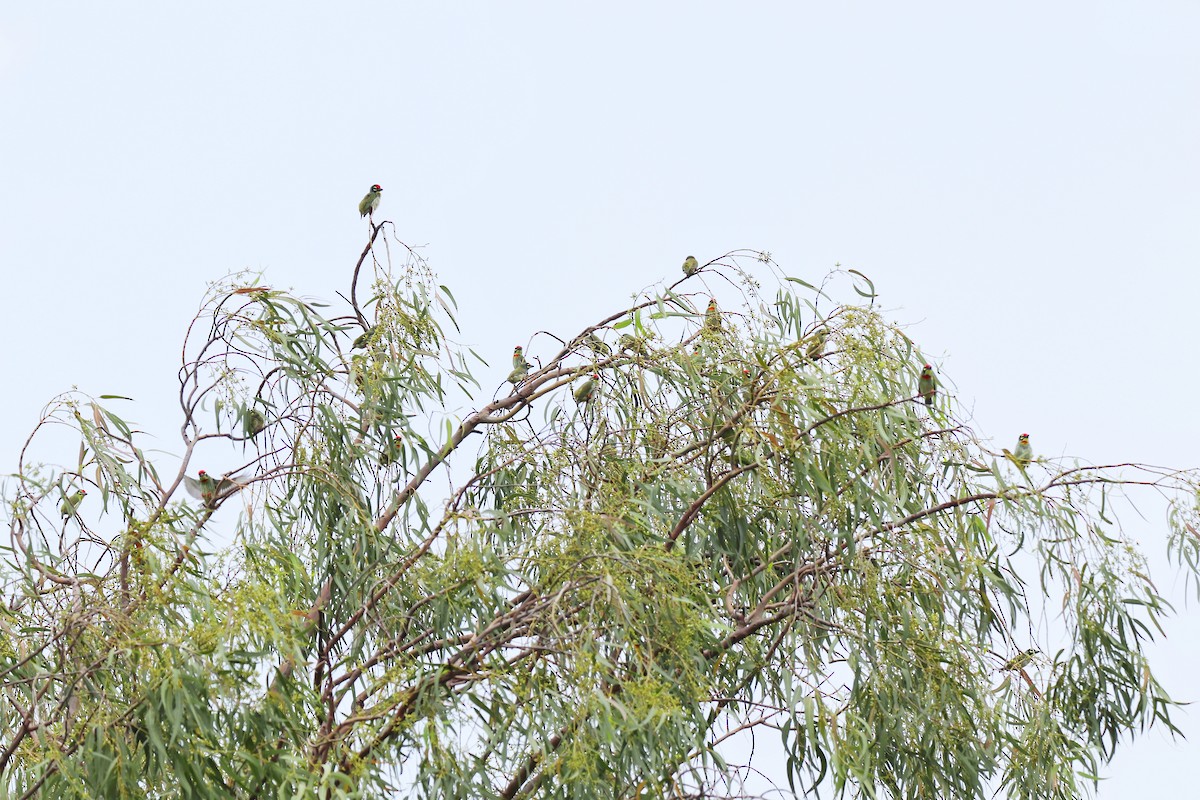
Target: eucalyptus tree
column 752, row 523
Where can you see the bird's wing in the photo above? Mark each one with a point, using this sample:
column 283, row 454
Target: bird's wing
column 230, row 484
column 193, row 487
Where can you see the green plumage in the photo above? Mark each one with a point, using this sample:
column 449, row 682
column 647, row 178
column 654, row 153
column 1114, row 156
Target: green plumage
column 927, row 385
column 690, row 266
column 816, row 344
column 1023, row 454
column 520, row 370
column 203, row 487
column 358, row 371
column 753, row 387
column 391, row 451
column 71, row 503
column 1019, row 661
column 712, row 316
column 209, row 490
column 598, row 346
column 586, row 390
column 634, row 344
column 742, row 458
column 253, row 422
column 370, row 202
column 365, row 338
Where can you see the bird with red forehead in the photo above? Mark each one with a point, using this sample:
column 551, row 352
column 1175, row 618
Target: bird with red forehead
column 927, row 385
column 71, row 503
column 392, row 451
column 209, row 490
column 202, row 487
column 368, row 205
column 584, row 392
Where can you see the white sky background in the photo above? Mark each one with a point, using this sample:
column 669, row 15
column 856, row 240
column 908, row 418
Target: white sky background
column 1022, row 184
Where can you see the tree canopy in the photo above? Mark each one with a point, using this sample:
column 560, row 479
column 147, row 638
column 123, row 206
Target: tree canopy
column 751, row 526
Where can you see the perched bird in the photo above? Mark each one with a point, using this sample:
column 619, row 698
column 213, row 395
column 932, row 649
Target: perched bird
column 364, row 338
column 253, row 422
column 752, row 381
column 520, row 367
column 70, row 503
column 1024, row 453
column 636, row 344
column 712, row 316
column 370, row 202
column 598, row 346
column 690, row 266
column 584, row 392
column 927, row 385
column 816, row 345
column 392, row 451
column 1019, row 661
column 741, row 457
column 358, row 370
column 209, row 490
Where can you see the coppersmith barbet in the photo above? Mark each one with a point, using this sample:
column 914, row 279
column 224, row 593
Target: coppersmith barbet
column 816, row 346
column 1024, row 453
column 71, row 503
column 712, row 316
column 392, row 451
column 584, row 392
column 927, row 385
column 253, row 423
column 520, row 369
column 1019, row 661
column 370, row 202
column 209, row 490
column 636, row 344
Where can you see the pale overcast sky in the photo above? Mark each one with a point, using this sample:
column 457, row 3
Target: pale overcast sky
column 1020, row 180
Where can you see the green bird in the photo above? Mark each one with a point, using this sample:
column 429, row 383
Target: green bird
column 598, row 346
column 742, row 457
column 392, row 451
column 203, row 487
column 927, row 385
column 253, row 422
column 816, row 346
column 1024, row 453
column 209, row 490
column 1019, row 661
column 71, row 503
column 635, row 344
column 752, row 381
column 368, row 205
column 712, row 316
column 586, row 390
column 520, row 367
column 364, row 338
column 358, row 370
column 690, row 266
